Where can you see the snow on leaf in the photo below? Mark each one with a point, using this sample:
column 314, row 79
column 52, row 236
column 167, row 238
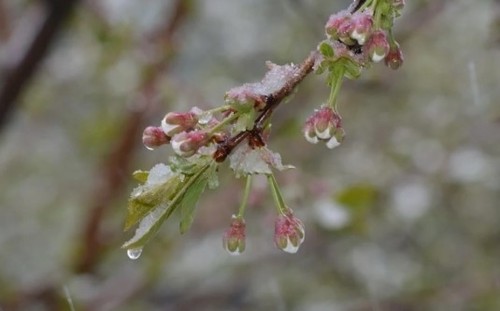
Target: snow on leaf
column 245, row 160
column 160, row 183
column 148, row 226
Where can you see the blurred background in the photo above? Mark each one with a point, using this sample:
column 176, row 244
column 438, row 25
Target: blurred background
column 403, row 216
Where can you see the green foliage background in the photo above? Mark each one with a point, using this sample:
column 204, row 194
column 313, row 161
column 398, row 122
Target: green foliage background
column 418, row 175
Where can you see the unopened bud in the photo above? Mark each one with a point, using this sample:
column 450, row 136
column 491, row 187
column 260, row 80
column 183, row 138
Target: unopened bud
column 394, row 58
column 233, row 239
column 363, row 23
column 187, row 143
column 340, row 26
column 176, row 122
column 377, row 46
column 289, row 232
column 153, row 137
column 325, row 125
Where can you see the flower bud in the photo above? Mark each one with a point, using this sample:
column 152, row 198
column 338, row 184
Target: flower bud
column 153, row 137
column 377, row 46
column 326, row 125
column 187, row 143
column 176, row 122
column 288, row 232
column 233, row 239
column 340, row 26
column 394, row 58
column 363, row 23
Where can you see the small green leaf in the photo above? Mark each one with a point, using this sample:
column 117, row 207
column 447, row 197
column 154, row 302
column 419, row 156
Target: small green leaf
column 140, row 176
column 143, row 203
column 189, row 201
column 326, row 49
column 245, row 121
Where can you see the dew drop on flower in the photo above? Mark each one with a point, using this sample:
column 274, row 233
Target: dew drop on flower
column 204, row 118
column 134, row 253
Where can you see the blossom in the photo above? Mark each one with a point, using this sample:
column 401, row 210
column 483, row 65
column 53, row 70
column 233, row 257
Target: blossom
column 394, row 58
column 325, row 125
column 289, row 232
column 187, row 143
column 377, row 46
column 154, row 137
column 363, row 22
column 233, row 239
column 176, row 122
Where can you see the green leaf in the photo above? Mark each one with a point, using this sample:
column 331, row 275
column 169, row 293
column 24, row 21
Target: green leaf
column 245, row 121
column 140, row 176
column 189, row 201
column 142, row 204
column 164, row 203
column 326, row 49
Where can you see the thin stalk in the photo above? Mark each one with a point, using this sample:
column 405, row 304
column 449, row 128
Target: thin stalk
column 335, row 88
column 278, row 198
column 223, row 123
column 246, row 193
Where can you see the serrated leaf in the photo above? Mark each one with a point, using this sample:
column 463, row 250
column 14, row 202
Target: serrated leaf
column 150, row 224
column 142, row 204
column 189, row 202
column 141, row 176
column 326, row 49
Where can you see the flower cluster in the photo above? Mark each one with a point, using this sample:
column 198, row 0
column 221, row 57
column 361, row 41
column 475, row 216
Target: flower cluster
column 324, row 125
column 239, row 129
column 355, row 40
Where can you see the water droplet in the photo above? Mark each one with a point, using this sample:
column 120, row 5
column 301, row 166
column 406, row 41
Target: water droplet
column 204, row 118
column 134, row 253
column 149, row 148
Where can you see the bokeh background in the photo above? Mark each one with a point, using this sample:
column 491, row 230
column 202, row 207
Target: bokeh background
column 403, row 216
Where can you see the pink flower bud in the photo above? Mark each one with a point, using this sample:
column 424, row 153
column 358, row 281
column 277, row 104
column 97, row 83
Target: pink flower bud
column 394, row 58
column 377, row 46
column 340, row 26
column 153, row 137
column 187, row 143
column 363, row 23
column 289, row 232
column 325, row 125
column 233, row 239
column 176, row 122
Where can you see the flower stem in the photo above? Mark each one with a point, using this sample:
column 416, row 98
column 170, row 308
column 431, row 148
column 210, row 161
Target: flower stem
column 244, row 200
column 223, row 123
column 335, row 88
column 218, row 109
column 278, row 198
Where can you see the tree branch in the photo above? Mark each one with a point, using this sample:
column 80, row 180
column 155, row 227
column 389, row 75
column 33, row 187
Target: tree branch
column 20, row 76
column 272, row 101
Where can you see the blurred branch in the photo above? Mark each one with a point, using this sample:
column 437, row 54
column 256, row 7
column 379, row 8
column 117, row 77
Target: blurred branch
column 19, row 76
column 120, row 157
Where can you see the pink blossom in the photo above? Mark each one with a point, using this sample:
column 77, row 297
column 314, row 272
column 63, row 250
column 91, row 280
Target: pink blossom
column 233, row 239
column 289, row 232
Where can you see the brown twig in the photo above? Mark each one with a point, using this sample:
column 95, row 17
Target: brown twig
column 272, row 101
column 19, row 77
column 118, row 161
